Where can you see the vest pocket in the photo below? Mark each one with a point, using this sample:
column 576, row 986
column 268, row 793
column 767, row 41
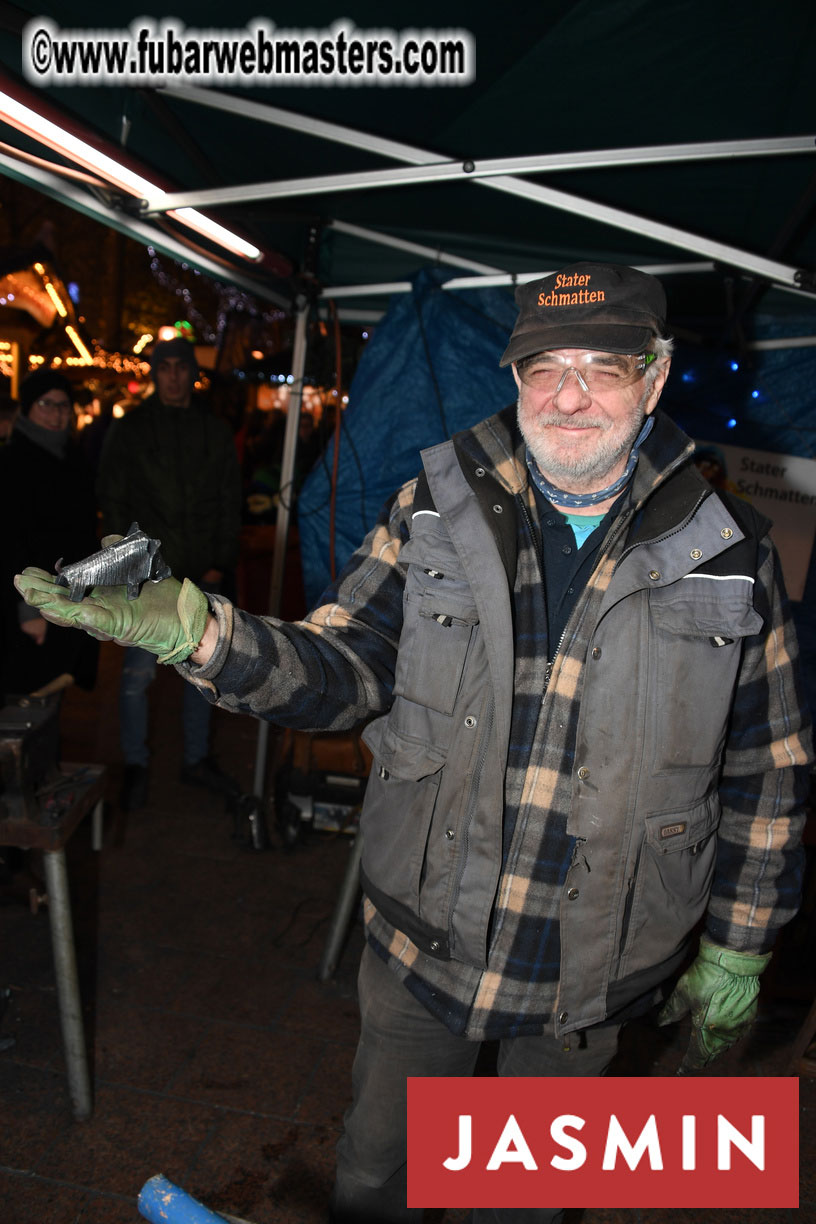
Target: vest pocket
column 399, row 806
column 398, row 755
column 433, row 649
column 669, row 884
column 697, row 631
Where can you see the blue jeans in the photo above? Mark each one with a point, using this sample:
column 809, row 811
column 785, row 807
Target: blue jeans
column 398, row 1038
column 138, row 671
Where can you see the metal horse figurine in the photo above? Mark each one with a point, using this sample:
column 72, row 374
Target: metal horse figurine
column 131, row 561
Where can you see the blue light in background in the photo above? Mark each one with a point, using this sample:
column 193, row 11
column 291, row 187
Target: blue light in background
column 734, row 365
column 730, row 424
column 754, row 394
column 688, row 376
column 73, row 292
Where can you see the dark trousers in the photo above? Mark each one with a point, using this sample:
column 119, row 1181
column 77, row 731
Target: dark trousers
column 399, row 1038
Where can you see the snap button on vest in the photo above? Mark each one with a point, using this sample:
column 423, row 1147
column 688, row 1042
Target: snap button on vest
column 654, row 575
column 573, row 893
column 563, row 1017
column 726, row 533
column 696, row 554
column 596, row 652
column 480, row 471
column 449, row 834
column 497, row 509
column 583, row 772
column 470, row 721
column 434, row 945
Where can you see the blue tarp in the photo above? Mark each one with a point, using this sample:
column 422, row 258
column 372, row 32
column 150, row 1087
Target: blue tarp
column 431, row 368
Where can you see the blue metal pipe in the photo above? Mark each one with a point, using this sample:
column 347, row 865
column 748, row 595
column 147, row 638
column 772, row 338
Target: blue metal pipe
column 161, row 1202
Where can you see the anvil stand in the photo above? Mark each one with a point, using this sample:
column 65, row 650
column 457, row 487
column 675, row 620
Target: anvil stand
column 48, row 828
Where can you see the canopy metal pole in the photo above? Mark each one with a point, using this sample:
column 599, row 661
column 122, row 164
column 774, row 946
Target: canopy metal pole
column 781, row 274
column 324, row 129
column 504, row 279
column 290, row 440
column 369, row 317
column 451, row 169
column 414, row 248
column 539, row 194
column 786, row 343
column 581, row 160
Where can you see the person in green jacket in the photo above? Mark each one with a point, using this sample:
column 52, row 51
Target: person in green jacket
column 171, row 466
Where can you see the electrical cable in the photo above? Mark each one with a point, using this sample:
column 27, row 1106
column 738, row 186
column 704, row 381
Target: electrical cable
column 432, row 372
column 356, row 457
column 43, row 163
column 338, row 355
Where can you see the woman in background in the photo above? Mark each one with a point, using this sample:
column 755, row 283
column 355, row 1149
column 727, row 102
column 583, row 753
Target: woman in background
column 47, row 511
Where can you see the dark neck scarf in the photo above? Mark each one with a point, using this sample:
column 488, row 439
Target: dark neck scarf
column 55, row 441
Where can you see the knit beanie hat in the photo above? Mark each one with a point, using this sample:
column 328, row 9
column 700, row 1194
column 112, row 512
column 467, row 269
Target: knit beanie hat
column 40, row 383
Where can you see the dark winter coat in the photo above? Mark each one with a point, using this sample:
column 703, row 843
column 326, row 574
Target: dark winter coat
column 175, row 472
column 48, row 513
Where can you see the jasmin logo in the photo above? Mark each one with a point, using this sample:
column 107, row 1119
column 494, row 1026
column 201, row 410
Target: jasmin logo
column 512, row 1147
column 639, row 1142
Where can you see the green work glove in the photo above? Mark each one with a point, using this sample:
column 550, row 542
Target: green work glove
column 168, row 618
column 720, row 991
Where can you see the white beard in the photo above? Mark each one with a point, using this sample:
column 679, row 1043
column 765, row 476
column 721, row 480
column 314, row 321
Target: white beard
column 583, row 469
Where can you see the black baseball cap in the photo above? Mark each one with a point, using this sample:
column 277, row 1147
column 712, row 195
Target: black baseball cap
column 603, row 306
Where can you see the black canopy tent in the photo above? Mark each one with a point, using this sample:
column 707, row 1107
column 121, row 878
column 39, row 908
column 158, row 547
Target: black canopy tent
column 539, row 159
column 678, row 137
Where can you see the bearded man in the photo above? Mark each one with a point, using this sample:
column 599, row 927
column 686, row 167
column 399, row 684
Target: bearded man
column 579, row 676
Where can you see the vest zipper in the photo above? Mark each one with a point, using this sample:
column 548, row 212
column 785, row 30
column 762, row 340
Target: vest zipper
column 551, row 662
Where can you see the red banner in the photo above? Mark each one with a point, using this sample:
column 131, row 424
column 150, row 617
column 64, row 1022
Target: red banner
column 603, row 1142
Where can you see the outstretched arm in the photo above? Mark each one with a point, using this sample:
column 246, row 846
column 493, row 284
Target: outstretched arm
column 330, row 671
column 333, row 669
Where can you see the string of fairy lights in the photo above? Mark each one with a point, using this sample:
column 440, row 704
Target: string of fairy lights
column 230, row 300
column 194, row 325
column 270, row 390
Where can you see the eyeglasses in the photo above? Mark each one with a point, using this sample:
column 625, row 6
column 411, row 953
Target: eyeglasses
column 596, row 372
column 63, row 406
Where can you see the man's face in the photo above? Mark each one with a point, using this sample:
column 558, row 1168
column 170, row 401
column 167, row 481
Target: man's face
column 174, row 382
column 581, row 438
